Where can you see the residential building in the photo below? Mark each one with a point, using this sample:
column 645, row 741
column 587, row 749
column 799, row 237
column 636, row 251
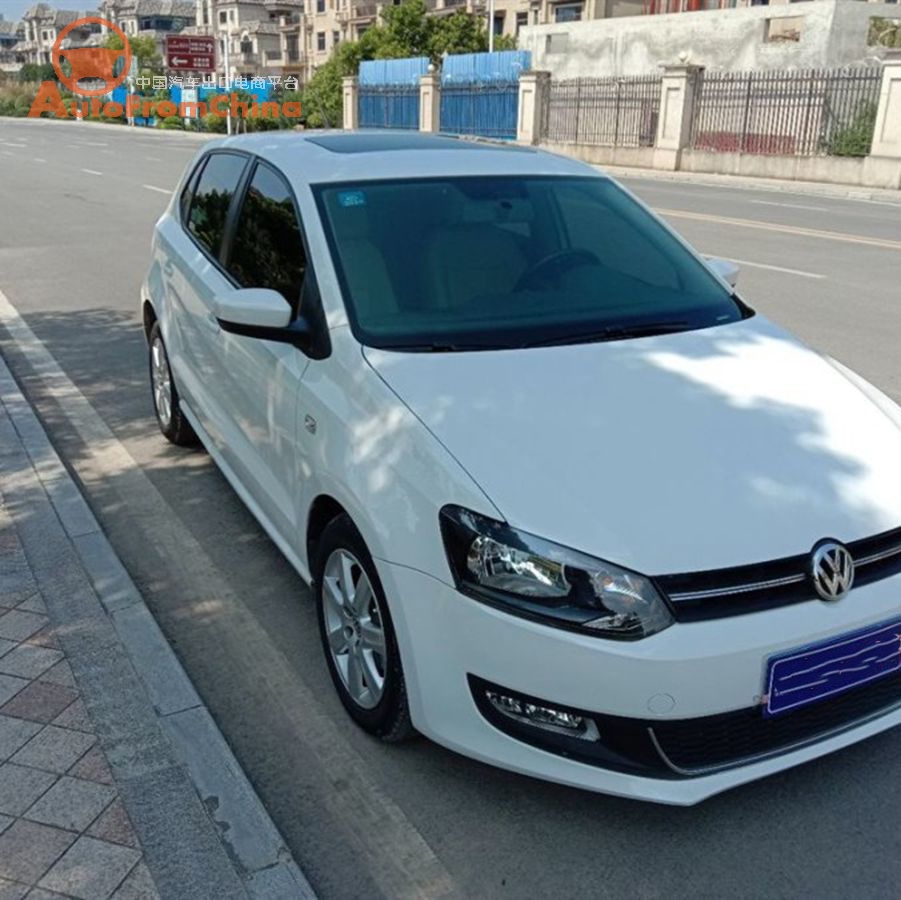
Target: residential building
column 10, row 35
column 158, row 17
column 42, row 24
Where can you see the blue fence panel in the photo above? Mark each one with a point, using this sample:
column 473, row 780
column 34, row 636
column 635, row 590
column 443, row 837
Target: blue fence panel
column 389, row 106
column 389, row 92
column 505, row 65
column 393, row 71
column 480, row 93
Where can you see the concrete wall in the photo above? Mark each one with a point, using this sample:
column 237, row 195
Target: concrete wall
column 833, row 33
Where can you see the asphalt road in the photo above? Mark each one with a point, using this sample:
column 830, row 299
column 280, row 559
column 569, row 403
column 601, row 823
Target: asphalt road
column 77, row 205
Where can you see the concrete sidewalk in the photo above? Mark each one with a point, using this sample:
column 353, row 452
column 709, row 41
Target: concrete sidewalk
column 114, row 780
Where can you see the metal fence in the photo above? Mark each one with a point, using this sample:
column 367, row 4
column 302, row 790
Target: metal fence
column 802, row 113
column 389, row 106
column 616, row 112
column 480, row 92
column 487, row 109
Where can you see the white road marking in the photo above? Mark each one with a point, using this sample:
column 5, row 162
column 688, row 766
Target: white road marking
column 153, row 187
column 40, row 159
column 790, row 205
column 91, row 172
column 784, row 229
column 91, row 144
column 152, row 159
column 11, row 144
column 759, row 265
column 390, row 849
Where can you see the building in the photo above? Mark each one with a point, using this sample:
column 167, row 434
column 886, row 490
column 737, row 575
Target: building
column 10, row 35
column 156, row 17
column 254, row 32
column 822, row 34
column 41, row 24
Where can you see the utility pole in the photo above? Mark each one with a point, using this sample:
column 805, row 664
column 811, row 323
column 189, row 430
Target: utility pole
column 228, row 80
column 491, row 26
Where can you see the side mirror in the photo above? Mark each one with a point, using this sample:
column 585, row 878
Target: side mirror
column 266, row 315
column 726, row 269
column 255, row 307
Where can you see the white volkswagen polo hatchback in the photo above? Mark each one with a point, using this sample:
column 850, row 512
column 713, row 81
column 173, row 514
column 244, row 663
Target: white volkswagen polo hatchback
column 567, row 504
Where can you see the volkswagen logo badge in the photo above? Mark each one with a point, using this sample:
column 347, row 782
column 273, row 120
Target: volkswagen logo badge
column 831, row 569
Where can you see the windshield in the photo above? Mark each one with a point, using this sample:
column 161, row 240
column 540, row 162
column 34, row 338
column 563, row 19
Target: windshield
column 485, row 262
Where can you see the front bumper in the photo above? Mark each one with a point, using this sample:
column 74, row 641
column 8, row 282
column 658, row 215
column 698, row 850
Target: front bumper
column 689, row 671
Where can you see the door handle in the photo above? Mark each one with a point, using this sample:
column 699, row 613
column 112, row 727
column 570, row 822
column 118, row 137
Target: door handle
column 168, row 268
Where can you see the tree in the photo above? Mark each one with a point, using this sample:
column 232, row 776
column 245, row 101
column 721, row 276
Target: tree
column 405, row 31
column 143, row 51
column 36, row 72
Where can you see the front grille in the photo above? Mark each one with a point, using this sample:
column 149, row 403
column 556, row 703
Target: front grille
column 694, row 746
column 744, row 589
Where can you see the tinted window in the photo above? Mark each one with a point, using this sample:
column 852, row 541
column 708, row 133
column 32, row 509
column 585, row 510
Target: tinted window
column 188, row 191
column 507, row 262
column 215, row 189
column 267, row 251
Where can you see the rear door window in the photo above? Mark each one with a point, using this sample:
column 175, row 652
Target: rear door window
column 212, row 198
column 267, row 249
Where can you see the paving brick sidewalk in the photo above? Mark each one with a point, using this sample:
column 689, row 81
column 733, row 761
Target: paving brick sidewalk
column 114, row 780
column 63, row 827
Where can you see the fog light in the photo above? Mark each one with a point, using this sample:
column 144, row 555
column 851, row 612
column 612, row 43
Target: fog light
column 544, row 717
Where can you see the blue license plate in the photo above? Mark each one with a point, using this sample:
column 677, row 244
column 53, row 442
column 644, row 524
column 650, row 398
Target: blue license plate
column 813, row 673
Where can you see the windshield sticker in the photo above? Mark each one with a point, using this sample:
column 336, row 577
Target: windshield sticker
column 351, row 198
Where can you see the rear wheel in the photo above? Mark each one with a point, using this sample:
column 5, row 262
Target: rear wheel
column 357, row 634
column 174, row 426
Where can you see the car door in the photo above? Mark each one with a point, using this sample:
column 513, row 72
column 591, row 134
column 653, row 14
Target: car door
column 259, row 380
column 196, row 275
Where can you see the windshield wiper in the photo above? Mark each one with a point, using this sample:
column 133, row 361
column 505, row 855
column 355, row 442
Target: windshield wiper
column 444, row 347
column 612, row 333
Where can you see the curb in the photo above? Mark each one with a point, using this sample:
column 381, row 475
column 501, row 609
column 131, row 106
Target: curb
column 163, row 740
column 785, row 186
column 162, row 133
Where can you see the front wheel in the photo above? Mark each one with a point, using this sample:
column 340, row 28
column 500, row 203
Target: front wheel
column 174, row 426
column 357, row 634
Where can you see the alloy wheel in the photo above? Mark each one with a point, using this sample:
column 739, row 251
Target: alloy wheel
column 353, row 625
column 162, row 382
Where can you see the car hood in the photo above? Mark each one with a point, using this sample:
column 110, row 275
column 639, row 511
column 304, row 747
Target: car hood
column 704, row 449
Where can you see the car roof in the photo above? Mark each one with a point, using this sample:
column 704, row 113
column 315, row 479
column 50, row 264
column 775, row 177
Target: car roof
column 318, row 157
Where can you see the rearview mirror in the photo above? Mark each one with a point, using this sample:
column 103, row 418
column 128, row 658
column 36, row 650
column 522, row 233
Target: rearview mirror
column 725, row 268
column 256, row 307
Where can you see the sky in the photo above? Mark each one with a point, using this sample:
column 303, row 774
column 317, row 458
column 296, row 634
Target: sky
column 13, row 9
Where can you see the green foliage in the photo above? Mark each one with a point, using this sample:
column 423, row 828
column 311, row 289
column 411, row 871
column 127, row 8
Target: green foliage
column 143, row 50
column 405, row 31
column 16, row 99
column 36, row 73
column 173, row 122
column 884, row 32
column 214, row 123
column 857, row 138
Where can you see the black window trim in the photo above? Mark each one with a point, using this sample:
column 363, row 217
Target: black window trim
column 309, row 299
column 216, row 260
column 231, row 223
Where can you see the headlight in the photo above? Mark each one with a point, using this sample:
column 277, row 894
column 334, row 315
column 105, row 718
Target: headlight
column 535, row 578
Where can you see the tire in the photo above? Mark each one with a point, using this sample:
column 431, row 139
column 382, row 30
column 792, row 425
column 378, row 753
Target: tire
column 369, row 681
column 166, row 404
